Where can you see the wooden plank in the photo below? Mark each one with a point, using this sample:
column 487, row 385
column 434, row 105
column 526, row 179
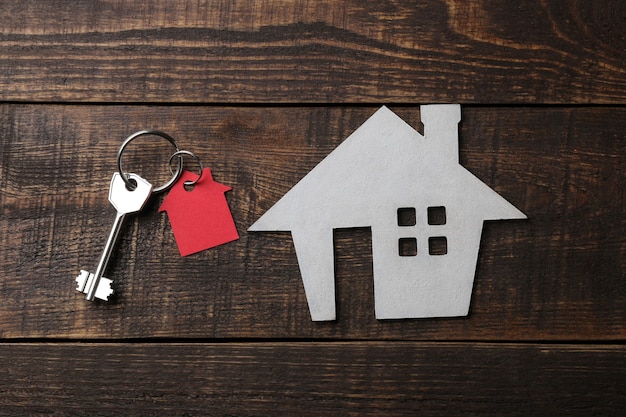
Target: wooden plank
column 326, row 51
column 557, row 276
column 316, row 379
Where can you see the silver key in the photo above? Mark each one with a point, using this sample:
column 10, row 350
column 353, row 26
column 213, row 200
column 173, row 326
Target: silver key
column 125, row 202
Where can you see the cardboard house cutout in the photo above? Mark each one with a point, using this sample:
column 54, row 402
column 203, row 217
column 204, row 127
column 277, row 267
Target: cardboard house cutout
column 425, row 210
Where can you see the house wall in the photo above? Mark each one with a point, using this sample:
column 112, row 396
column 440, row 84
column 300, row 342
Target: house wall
column 261, row 92
column 426, row 284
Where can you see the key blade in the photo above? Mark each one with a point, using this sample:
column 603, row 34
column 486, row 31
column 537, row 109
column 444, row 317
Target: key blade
column 125, row 200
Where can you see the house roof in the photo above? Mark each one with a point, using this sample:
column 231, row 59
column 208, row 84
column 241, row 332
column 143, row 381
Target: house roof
column 385, row 161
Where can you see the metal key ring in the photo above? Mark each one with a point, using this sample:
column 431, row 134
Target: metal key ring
column 194, row 156
column 171, row 140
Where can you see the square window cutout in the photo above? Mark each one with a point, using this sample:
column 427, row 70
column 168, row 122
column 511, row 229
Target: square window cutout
column 437, row 215
column 437, row 245
column 407, row 246
column 407, row 216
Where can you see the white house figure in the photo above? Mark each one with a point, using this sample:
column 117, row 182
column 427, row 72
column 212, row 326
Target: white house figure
column 425, row 210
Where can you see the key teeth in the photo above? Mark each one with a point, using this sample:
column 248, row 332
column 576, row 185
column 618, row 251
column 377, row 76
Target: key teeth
column 81, row 280
column 104, row 291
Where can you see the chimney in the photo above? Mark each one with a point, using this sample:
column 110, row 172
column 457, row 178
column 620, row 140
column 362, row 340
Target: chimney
column 441, row 128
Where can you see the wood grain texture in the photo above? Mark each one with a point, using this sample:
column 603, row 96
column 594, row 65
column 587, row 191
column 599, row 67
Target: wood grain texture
column 262, row 91
column 313, row 52
column 558, row 276
column 312, row 379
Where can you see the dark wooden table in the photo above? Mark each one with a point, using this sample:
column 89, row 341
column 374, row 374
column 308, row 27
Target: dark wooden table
column 262, row 91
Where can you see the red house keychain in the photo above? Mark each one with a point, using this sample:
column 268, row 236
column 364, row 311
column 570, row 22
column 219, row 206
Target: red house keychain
column 198, row 211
